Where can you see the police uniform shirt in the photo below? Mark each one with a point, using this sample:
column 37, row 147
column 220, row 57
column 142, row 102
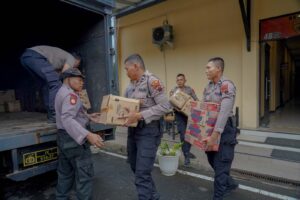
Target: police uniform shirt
column 56, row 56
column 151, row 93
column 186, row 89
column 223, row 93
column 70, row 114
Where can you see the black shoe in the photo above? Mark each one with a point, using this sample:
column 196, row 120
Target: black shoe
column 51, row 121
column 155, row 196
column 187, row 162
column 51, row 117
column 192, row 156
column 230, row 189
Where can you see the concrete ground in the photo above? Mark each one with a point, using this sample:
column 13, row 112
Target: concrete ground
column 114, row 181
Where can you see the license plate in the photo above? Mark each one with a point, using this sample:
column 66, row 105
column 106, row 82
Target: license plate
column 39, row 156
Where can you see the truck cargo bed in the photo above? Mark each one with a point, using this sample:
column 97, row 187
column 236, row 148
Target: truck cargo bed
column 23, row 122
column 24, row 128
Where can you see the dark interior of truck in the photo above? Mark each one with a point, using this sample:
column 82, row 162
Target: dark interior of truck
column 28, row 23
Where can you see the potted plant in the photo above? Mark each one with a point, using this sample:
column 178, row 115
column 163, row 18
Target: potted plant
column 168, row 158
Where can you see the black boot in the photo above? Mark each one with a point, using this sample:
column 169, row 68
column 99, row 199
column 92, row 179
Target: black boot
column 187, row 161
column 230, row 189
column 192, row 156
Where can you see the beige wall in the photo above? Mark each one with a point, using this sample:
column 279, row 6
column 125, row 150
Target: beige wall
column 203, row 29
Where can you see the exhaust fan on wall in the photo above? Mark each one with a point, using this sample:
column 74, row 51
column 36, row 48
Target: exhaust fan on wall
column 163, row 35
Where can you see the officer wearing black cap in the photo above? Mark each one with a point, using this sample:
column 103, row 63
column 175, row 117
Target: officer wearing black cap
column 73, row 139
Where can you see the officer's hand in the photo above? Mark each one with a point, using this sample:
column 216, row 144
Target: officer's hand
column 209, row 142
column 142, row 102
column 132, row 118
column 95, row 140
column 95, row 117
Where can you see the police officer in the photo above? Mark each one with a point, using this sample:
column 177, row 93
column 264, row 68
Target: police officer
column 181, row 119
column 45, row 63
column 144, row 140
column 221, row 90
column 73, row 139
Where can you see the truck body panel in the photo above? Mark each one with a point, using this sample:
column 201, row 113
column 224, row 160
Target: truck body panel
column 28, row 142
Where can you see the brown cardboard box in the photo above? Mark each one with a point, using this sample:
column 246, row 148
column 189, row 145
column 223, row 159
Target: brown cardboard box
column 85, row 99
column 113, row 107
column 201, row 123
column 2, row 108
column 7, row 96
column 178, row 99
column 13, row 106
column 186, row 109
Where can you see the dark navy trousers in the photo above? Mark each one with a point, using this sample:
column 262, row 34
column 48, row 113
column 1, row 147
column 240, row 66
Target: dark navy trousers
column 142, row 145
column 44, row 72
column 221, row 161
column 75, row 166
column 181, row 121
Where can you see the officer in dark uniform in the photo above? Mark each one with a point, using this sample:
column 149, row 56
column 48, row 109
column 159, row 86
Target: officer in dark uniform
column 221, row 90
column 181, row 119
column 144, row 140
column 73, row 139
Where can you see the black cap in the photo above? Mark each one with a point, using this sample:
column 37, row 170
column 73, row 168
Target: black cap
column 71, row 72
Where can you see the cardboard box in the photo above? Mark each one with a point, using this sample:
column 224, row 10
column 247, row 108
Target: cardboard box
column 2, row 108
column 186, row 109
column 179, row 98
column 13, row 106
column 114, row 107
column 7, row 96
column 85, row 99
column 201, row 123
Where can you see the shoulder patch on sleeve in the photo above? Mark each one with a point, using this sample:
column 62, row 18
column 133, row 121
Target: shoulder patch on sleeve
column 73, row 99
column 156, row 85
column 224, row 87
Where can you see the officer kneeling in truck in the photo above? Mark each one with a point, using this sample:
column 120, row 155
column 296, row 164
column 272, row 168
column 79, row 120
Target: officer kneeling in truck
column 73, row 139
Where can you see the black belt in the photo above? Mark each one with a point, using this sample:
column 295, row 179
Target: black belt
column 61, row 131
column 142, row 123
column 84, row 145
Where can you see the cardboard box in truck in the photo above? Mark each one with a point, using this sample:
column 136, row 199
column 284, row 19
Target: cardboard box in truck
column 7, row 96
column 13, row 106
column 2, row 108
column 113, row 107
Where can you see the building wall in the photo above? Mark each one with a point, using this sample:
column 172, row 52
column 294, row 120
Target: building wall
column 202, row 29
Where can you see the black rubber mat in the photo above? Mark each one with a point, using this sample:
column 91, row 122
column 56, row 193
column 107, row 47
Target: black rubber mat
column 286, row 155
column 283, row 142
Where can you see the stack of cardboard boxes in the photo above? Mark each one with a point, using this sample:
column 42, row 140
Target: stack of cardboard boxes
column 202, row 117
column 8, row 102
